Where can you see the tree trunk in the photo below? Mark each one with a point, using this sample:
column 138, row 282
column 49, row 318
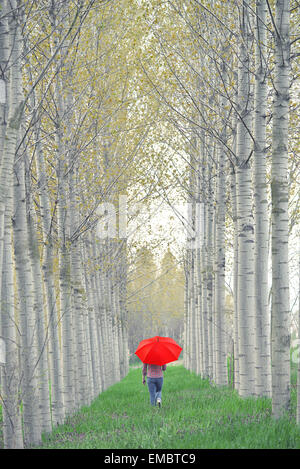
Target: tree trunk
column 29, row 352
column 235, row 280
column 220, row 343
column 10, row 373
column 280, row 219
column 262, row 316
column 209, row 269
column 245, row 217
column 55, row 359
column 41, row 330
column 298, row 371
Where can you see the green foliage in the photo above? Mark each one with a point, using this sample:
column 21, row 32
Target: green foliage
column 194, row 415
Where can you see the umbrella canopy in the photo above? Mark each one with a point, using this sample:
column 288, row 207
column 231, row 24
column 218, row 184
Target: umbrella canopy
column 158, row 350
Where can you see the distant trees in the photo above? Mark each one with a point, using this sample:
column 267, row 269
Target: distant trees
column 155, row 297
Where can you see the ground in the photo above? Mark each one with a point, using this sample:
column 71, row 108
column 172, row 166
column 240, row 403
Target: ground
column 194, row 414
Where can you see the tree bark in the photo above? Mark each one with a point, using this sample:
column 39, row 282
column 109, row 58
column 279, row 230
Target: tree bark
column 280, row 218
column 261, row 222
column 245, row 217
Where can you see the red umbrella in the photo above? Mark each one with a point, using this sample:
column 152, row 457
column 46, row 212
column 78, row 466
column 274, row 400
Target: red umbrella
column 158, row 350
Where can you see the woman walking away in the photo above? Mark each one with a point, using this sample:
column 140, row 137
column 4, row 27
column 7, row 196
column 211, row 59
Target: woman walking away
column 155, row 381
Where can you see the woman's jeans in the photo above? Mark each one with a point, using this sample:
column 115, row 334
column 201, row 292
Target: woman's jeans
column 155, row 386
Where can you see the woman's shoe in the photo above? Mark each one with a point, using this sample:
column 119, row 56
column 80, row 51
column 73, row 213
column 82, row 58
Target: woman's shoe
column 159, row 402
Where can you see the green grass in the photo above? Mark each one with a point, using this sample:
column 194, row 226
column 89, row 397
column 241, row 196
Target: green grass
column 194, row 415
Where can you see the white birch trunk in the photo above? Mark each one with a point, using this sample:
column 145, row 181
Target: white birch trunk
column 95, row 358
column 221, row 365
column 262, row 317
column 4, row 58
column 65, row 210
column 42, row 336
column 81, row 358
column 107, row 362
column 204, row 273
column 117, row 336
column 31, row 418
column 280, row 219
column 111, row 307
column 10, row 118
column 298, row 371
column 220, row 343
column 209, row 269
column 29, row 352
column 185, row 318
column 192, row 312
column 199, row 328
column 97, row 308
column 92, row 325
column 90, row 380
column 214, row 313
column 55, row 359
column 245, row 218
column 235, row 280
column 191, row 272
column 205, row 304
column 189, row 316
column 123, row 309
column 104, row 320
column 109, row 321
column 117, row 283
column 233, row 198
column 10, row 372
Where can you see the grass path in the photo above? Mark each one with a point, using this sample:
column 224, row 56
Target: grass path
column 194, row 415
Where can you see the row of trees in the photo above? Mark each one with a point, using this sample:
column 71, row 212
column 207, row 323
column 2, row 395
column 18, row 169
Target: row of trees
column 77, row 115
column 239, row 95
column 153, row 101
column 63, row 288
